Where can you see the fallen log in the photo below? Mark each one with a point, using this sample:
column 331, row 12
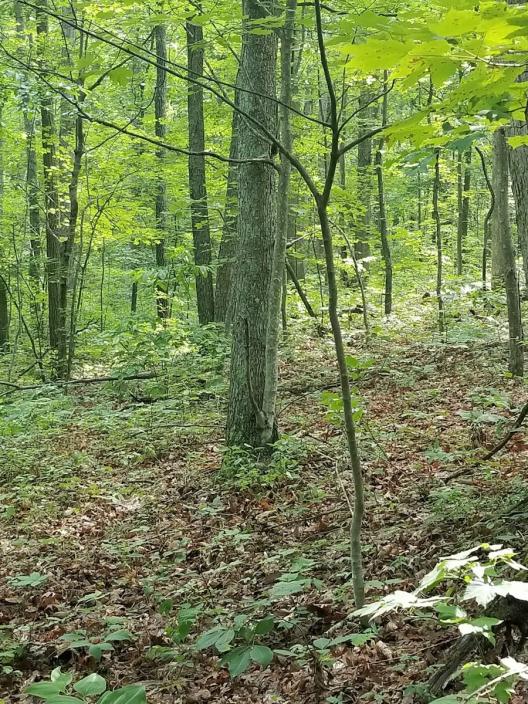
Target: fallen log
column 142, row 376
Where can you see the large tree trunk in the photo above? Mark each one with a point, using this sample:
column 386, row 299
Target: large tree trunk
column 161, row 206
column 505, row 266
column 197, row 178
column 52, row 204
column 257, row 228
column 281, row 239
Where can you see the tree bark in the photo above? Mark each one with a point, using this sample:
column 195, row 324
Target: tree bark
column 364, row 165
column 383, row 223
column 161, row 206
column 519, row 182
column 197, row 179
column 463, row 210
column 281, row 239
column 51, row 201
column 505, row 263
column 487, row 221
column 4, row 305
column 256, row 232
column 439, row 245
column 227, row 251
column 31, row 168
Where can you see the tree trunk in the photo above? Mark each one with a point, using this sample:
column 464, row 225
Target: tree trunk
column 505, row 265
column 256, row 233
column 519, row 182
column 487, row 221
column 364, row 175
column 4, row 317
column 4, row 305
column 439, row 245
column 281, row 238
column 31, row 168
column 162, row 206
column 463, row 210
column 227, row 251
column 519, row 177
column 197, row 178
column 383, row 224
column 51, row 201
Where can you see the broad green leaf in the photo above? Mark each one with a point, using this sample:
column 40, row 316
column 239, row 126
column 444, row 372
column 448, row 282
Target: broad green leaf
column 209, row 638
column 60, row 678
column 456, row 23
column 262, row 655
column 288, row 588
column 223, row 643
column 44, row 689
column 132, row 694
column 265, row 626
column 119, row 635
column 238, row 660
column 91, row 685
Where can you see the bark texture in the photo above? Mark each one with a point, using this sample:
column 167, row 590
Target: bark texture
column 256, row 233
column 227, row 251
column 197, row 179
column 162, row 205
column 505, row 266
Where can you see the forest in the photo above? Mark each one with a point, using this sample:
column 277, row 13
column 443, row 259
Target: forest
column 263, row 275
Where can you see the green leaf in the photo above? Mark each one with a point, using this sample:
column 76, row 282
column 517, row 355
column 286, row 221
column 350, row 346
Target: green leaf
column 91, row 685
column 262, row 655
column 120, row 76
column 119, row 635
column 265, row 626
column 34, row 579
column 224, row 642
column 450, row 699
column 64, row 699
column 44, row 689
column 520, row 140
column 62, row 679
column 208, row 639
column 238, row 660
column 132, row 694
column 288, row 588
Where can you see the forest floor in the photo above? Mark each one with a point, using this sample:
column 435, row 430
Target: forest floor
column 114, row 516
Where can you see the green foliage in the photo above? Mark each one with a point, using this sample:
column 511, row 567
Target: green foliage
column 480, row 572
column 238, row 644
column 96, row 647
column 59, row 690
column 241, row 468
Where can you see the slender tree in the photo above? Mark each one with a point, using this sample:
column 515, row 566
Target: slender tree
column 439, row 244
column 463, row 209
column 505, row 263
column 383, row 222
column 162, row 205
column 51, row 201
column 279, row 252
column 29, row 117
column 197, row 177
